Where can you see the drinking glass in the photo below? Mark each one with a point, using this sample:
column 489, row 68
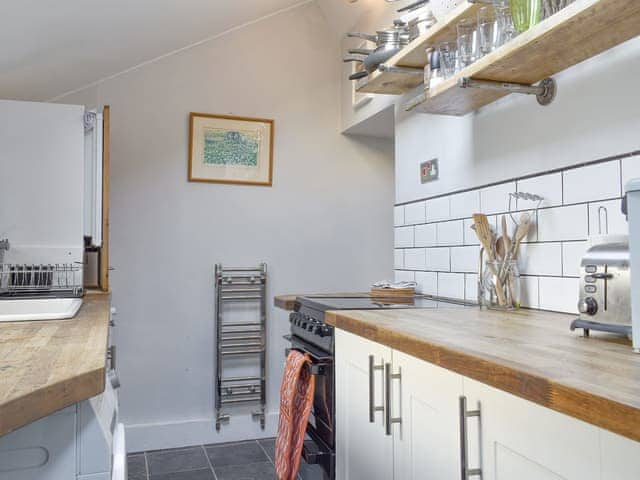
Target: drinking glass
column 486, row 29
column 466, row 42
column 526, row 13
column 447, row 58
column 505, row 30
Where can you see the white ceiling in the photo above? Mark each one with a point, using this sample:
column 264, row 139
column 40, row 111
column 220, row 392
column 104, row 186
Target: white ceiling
column 50, row 47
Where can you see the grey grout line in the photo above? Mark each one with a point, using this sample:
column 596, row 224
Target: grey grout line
column 209, row 462
column 146, row 465
column 272, row 460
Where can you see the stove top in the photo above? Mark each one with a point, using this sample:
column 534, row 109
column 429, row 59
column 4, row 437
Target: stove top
column 307, row 321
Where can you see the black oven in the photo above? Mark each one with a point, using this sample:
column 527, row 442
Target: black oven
column 319, row 447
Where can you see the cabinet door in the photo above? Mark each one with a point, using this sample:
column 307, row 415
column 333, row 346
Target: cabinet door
column 363, row 451
column 426, row 442
column 620, row 456
column 520, row 439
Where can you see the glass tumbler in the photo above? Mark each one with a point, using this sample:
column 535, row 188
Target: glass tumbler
column 447, row 59
column 526, row 13
column 500, row 287
column 467, row 35
column 505, row 30
column 486, row 29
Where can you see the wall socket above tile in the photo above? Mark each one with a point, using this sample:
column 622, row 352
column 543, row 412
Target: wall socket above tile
column 429, row 170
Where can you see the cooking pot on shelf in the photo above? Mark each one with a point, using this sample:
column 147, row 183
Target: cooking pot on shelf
column 388, row 42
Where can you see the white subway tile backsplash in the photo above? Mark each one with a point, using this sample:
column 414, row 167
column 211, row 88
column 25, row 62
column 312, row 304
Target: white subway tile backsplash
column 471, row 287
column 541, row 259
column 572, row 253
column 427, row 283
column 451, row 285
column 470, row 237
column 613, row 218
column 532, row 236
column 547, row 186
column 414, row 213
column 465, row 259
column 425, row 235
column 496, row 199
column 403, row 237
column 398, row 216
column 563, row 223
column 558, row 294
column 529, row 292
column 414, row 259
column 594, row 182
column 450, row 233
column 630, row 169
column 438, row 259
column 438, row 209
column 398, row 258
column 464, row 205
column 404, row 276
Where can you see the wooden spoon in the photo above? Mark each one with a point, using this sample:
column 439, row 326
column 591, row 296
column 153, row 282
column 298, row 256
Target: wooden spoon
column 521, row 233
column 485, row 235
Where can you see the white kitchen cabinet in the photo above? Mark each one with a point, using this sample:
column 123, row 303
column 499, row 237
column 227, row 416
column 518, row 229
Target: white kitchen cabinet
column 620, row 457
column 363, row 451
column 523, row 440
column 426, row 441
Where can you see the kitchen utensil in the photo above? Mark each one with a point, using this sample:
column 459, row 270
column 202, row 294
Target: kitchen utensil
column 420, row 24
column 521, row 233
column 505, row 234
column 447, row 58
column 427, row 68
column 486, row 29
column 525, row 13
column 413, row 6
column 485, row 235
column 436, row 75
column 498, row 293
column 505, row 30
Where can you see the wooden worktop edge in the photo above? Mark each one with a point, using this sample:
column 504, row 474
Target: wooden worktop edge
column 605, row 413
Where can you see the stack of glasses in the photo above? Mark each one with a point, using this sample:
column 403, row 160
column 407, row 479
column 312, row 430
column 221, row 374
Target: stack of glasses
column 495, row 25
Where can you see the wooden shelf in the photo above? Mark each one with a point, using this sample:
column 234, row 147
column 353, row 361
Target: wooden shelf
column 580, row 31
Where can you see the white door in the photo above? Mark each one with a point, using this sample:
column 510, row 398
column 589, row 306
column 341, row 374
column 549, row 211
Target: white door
column 363, row 451
column 426, row 442
column 525, row 441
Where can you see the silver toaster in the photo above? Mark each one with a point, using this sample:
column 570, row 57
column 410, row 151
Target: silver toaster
column 605, row 284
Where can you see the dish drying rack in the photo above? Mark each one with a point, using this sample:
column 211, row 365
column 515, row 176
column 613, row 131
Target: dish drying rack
column 55, row 280
column 244, row 339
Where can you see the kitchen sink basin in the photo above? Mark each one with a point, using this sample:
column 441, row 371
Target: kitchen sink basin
column 21, row 310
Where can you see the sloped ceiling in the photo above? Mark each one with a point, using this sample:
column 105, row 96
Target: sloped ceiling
column 48, row 48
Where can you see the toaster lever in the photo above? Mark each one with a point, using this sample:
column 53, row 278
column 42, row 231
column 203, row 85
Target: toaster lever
column 602, row 276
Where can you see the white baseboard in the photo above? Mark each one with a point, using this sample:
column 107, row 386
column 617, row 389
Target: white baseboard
column 157, row 436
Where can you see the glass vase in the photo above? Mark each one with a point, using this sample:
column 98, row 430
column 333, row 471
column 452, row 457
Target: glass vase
column 525, row 13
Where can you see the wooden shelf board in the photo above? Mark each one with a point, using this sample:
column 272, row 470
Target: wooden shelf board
column 582, row 30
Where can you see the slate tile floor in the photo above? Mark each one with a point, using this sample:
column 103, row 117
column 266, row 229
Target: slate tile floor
column 250, row 460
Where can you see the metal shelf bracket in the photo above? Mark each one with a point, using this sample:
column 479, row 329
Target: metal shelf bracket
column 545, row 91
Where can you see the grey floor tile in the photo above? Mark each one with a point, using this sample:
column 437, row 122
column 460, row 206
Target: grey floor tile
column 136, row 467
column 251, row 471
column 177, row 460
column 310, row 472
column 235, row 454
column 190, row 475
column 269, row 446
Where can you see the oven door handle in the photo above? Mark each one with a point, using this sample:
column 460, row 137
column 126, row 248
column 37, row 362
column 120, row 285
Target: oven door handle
column 315, row 368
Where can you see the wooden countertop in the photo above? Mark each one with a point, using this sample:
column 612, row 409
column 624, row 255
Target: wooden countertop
column 48, row 365
column 528, row 353
column 287, row 302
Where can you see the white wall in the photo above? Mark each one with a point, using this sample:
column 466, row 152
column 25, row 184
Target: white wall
column 595, row 115
column 323, row 226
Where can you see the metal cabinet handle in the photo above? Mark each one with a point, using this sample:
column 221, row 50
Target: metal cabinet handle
column 388, row 377
column 465, row 471
column 372, row 387
column 111, row 356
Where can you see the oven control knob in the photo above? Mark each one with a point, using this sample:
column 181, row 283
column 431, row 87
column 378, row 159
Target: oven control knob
column 322, row 331
column 588, row 306
column 310, row 327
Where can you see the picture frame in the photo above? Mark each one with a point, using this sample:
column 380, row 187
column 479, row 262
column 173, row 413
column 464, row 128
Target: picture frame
column 230, row 149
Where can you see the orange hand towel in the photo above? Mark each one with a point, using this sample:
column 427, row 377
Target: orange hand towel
column 296, row 400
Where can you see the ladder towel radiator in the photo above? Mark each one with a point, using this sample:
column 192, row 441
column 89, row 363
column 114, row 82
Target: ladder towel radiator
column 245, row 339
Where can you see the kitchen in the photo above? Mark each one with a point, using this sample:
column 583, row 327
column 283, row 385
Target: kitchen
column 316, row 233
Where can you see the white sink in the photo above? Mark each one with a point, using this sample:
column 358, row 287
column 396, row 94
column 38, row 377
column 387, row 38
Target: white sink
column 38, row 309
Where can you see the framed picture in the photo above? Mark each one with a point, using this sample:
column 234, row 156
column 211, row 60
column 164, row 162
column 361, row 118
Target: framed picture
column 229, row 149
